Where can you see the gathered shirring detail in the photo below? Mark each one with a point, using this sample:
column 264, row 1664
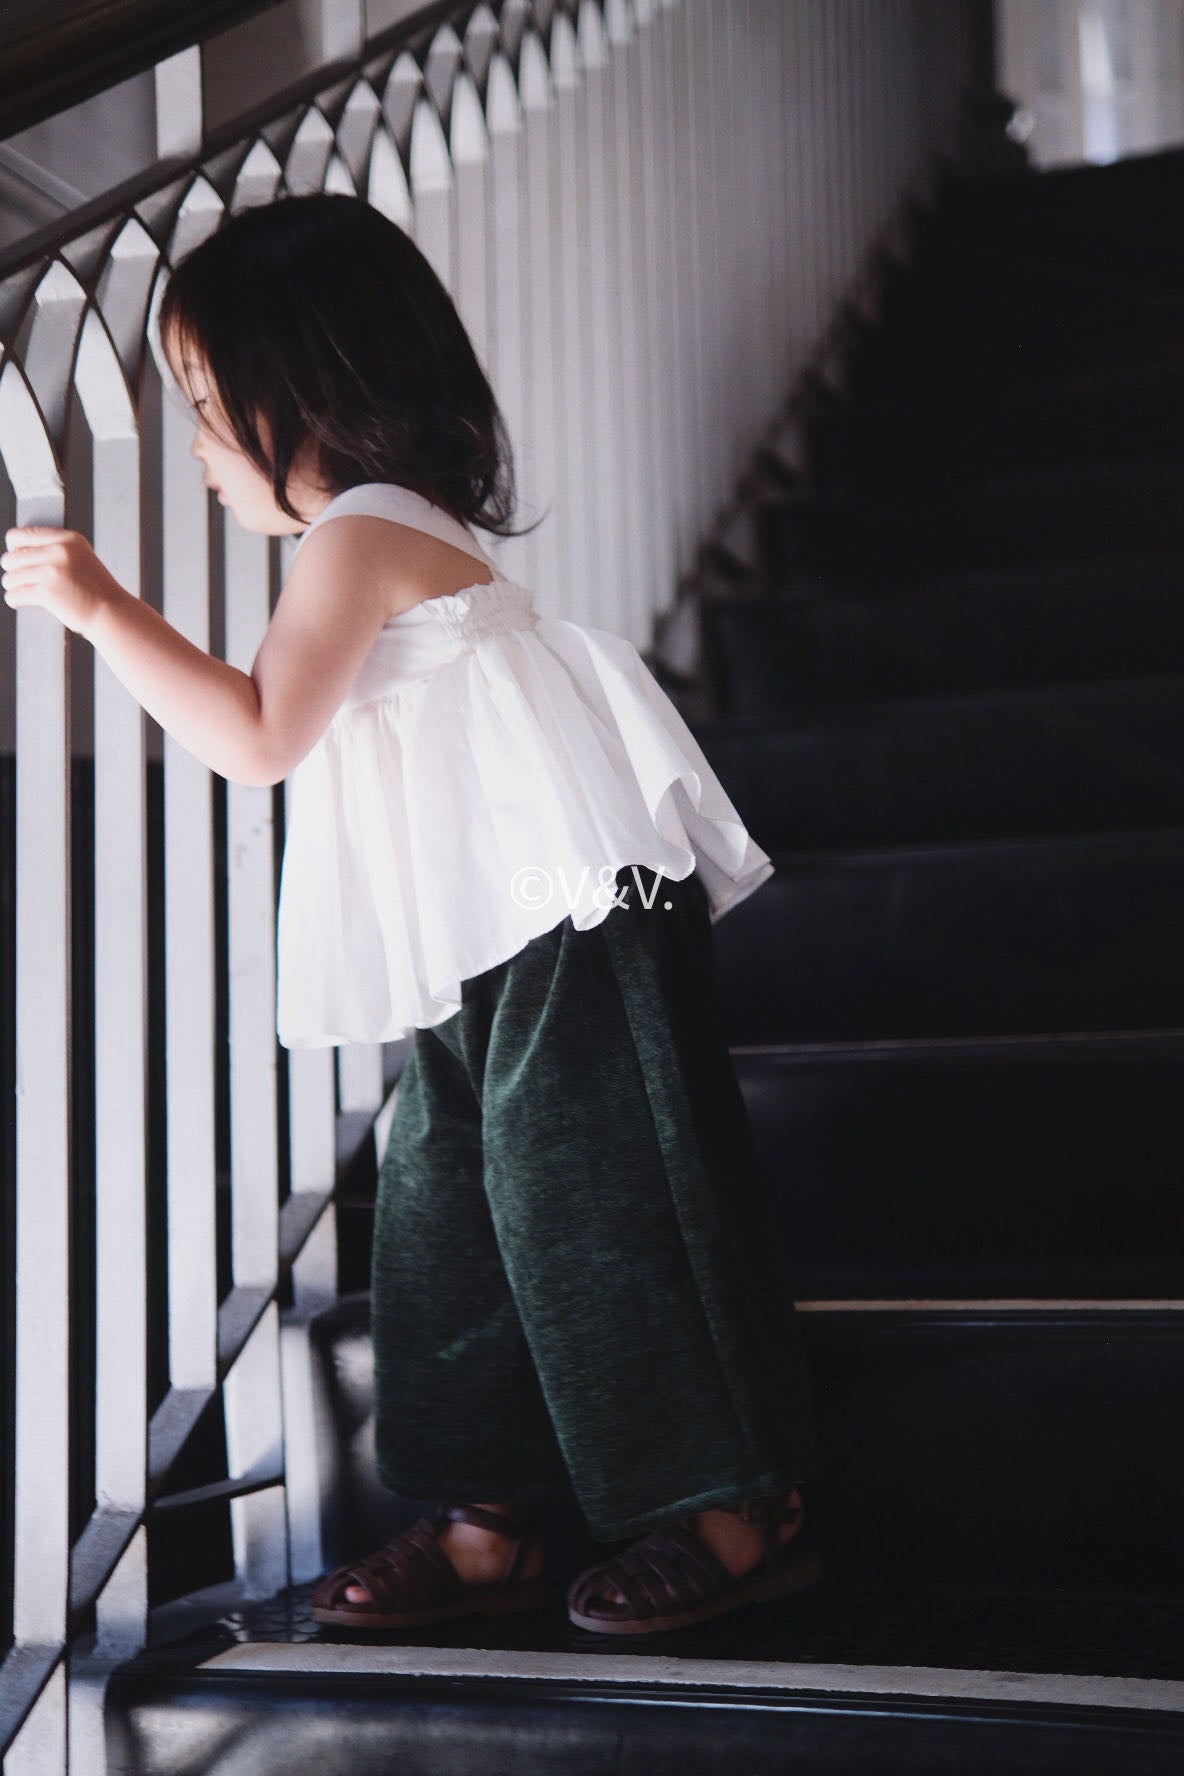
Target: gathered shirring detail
column 413, row 647
column 477, row 611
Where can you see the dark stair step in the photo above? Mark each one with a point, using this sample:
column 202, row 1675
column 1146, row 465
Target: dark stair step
column 1040, row 271
column 997, row 1448
column 976, row 1447
column 829, row 1682
column 1052, row 514
column 1064, row 623
column 1034, row 1168
column 1072, row 759
column 1115, row 200
column 901, row 437
column 1113, row 247
column 947, row 331
column 992, row 317
column 1004, row 938
column 1022, row 1168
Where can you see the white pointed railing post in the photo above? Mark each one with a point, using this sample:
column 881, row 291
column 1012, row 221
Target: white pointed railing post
column 573, row 467
column 251, row 1390
column 41, row 1563
column 190, row 1181
column 511, row 296
column 121, row 990
column 541, row 276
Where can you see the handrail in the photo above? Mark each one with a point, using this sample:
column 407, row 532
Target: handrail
column 56, row 57
column 411, row 33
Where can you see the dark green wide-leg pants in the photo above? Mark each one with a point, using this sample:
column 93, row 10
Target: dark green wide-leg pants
column 575, row 1264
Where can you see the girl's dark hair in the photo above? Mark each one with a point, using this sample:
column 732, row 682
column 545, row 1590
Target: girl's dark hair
column 321, row 318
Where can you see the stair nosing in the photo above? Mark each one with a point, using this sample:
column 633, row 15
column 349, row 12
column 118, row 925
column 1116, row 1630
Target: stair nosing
column 786, row 861
column 809, row 719
column 859, row 1048
column 1139, row 1694
column 1001, row 1306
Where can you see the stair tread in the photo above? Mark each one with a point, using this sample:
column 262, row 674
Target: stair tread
column 922, row 708
column 1169, row 839
column 890, row 1631
column 1023, row 1045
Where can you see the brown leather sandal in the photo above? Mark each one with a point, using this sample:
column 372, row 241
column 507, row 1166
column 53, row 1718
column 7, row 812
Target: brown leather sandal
column 672, row 1579
column 411, row 1582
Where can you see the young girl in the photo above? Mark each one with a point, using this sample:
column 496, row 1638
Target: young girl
column 504, row 841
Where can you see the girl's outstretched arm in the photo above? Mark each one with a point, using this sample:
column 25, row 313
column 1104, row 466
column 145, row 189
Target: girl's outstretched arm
column 250, row 727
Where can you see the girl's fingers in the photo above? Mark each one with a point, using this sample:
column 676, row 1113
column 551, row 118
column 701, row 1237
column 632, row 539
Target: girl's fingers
column 33, row 550
column 25, row 588
column 33, row 533
column 36, row 539
column 28, row 556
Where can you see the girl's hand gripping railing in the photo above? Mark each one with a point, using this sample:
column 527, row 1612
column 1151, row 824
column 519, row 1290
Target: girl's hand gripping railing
column 249, row 727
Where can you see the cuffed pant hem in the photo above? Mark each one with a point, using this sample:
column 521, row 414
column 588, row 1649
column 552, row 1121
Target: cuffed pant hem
column 607, row 1529
column 494, row 1489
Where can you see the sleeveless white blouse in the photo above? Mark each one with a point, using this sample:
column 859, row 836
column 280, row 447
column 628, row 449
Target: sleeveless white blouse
column 488, row 773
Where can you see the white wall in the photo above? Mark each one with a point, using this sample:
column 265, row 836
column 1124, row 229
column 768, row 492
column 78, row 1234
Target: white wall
column 1099, row 78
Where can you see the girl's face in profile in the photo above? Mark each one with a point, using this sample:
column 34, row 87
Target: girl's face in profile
column 241, row 487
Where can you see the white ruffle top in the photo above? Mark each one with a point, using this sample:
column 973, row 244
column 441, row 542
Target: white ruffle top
column 488, row 773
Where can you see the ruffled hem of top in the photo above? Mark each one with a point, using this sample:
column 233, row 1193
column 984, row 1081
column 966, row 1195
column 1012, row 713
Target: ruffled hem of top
column 435, row 832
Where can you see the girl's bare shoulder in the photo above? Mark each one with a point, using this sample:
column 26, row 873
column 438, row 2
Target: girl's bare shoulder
column 403, row 564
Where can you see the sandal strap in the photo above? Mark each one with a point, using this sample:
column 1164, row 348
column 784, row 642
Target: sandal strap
column 515, row 1524
column 769, row 1511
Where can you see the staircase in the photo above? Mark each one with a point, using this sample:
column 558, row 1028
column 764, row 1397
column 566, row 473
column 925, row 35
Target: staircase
column 951, row 705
